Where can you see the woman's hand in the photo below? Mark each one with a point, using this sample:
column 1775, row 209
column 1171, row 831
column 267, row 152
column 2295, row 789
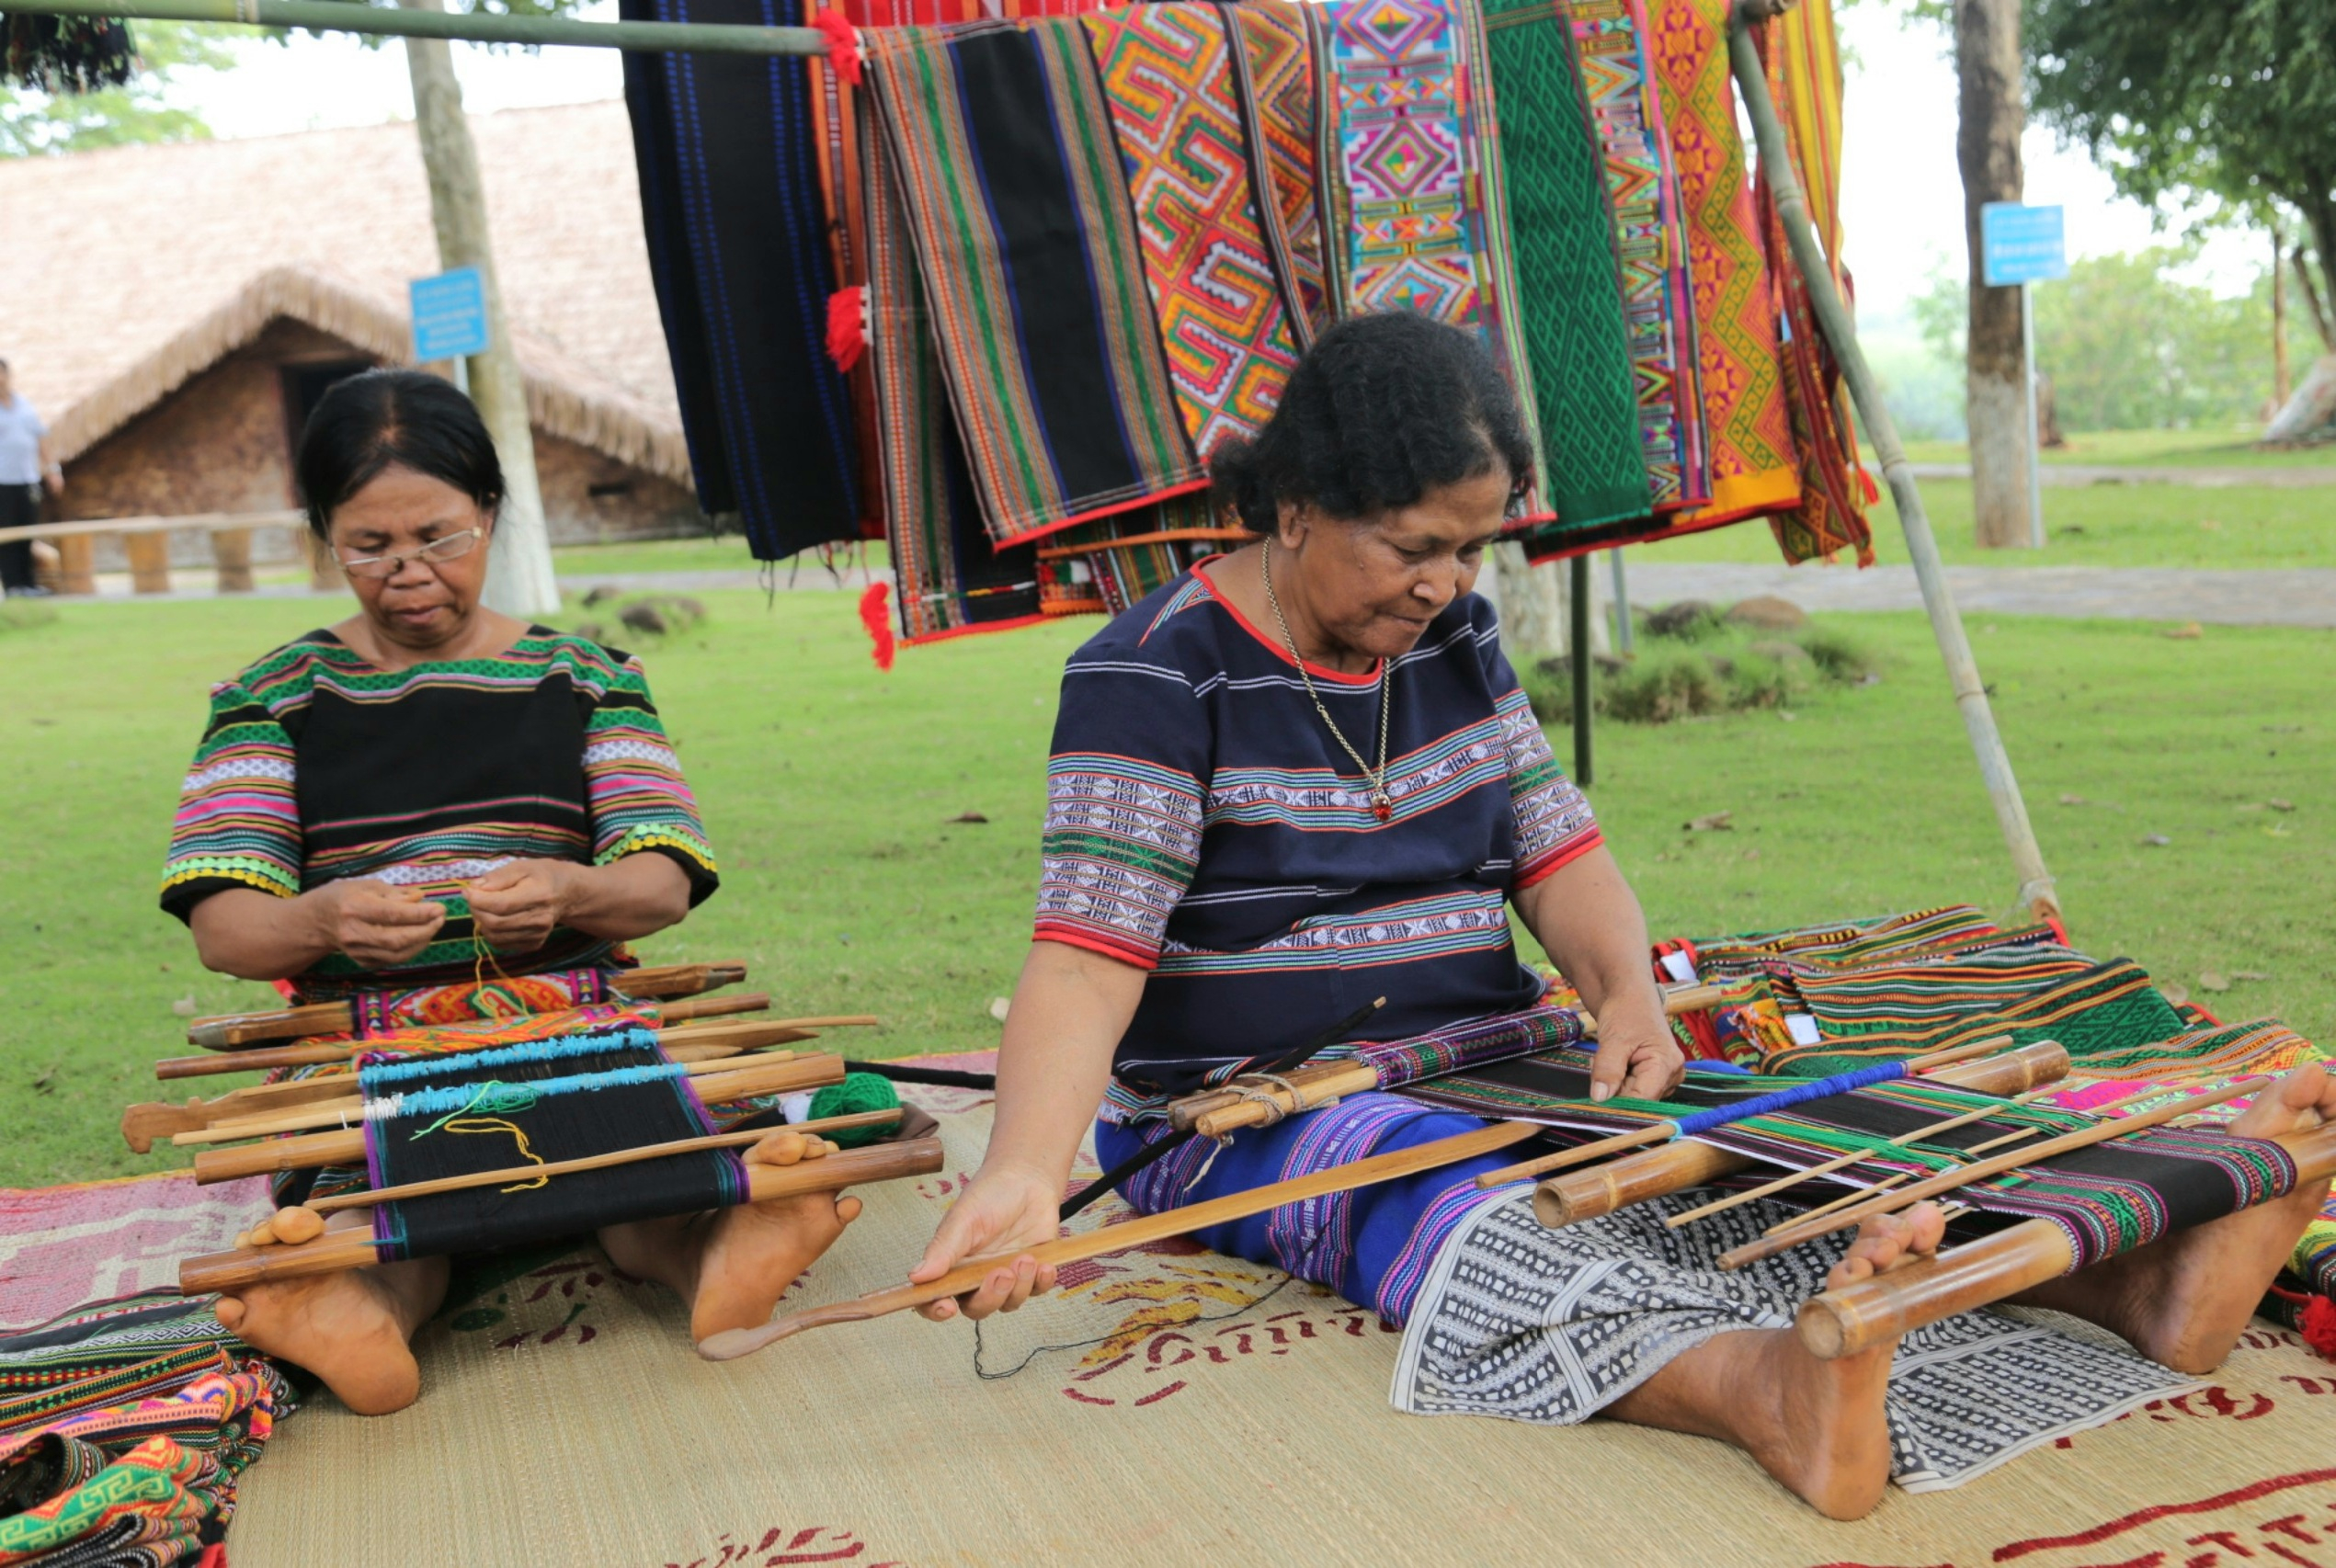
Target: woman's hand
column 1636, row 1059
column 378, row 926
column 515, row 906
column 1003, row 1211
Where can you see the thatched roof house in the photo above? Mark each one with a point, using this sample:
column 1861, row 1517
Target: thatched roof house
column 177, row 309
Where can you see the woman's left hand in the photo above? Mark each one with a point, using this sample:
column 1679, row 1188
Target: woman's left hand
column 1642, row 1063
column 515, row 906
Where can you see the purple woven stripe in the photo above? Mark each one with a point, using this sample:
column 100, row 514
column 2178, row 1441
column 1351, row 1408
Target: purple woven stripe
column 1472, row 1044
column 1400, row 1288
column 1313, row 1238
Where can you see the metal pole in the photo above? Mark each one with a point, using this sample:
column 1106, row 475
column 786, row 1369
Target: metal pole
column 2035, row 438
column 1577, row 651
column 1625, row 634
column 1946, row 624
column 476, row 27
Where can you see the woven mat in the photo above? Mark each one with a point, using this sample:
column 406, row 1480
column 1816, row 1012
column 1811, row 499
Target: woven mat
column 1206, row 1408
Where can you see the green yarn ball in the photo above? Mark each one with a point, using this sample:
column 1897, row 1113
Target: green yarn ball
column 856, row 1093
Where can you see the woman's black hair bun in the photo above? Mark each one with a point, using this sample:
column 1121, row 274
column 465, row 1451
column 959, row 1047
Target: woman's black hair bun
column 1382, row 410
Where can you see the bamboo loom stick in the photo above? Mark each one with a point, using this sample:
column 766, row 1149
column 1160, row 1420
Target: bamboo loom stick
column 1874, row 1312
column 1667, row 1128
column 374, row 1199
column 353, row 1246
column 349, row 1109
column 731, row 1344
column 1572, row 1197
column 1215, row 1113
column 1843, row 1162
column 348, row 1147
column 1964, row 1176
column 228, row 1031
column 473, row 27
column 677, row 1032
column 1922, row 547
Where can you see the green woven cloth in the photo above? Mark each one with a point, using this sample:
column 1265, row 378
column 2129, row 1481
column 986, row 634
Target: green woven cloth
column 1568, row 293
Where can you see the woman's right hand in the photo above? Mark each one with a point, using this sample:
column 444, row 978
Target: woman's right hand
column 378, row 926
column 1002, row 1210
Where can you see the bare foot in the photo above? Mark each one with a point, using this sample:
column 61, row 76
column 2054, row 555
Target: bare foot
column 733, row 1267
column 1817, row 1427
column 2183, row 1300
column 348, row 1328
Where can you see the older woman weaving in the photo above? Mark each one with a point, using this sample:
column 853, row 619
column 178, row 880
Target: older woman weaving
column 427, row 789
column 1303, row 776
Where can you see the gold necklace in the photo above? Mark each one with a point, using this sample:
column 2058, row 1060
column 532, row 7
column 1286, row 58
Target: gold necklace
column 1383, row 805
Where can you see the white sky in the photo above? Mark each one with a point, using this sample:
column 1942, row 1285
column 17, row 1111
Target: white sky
column 1902, row 196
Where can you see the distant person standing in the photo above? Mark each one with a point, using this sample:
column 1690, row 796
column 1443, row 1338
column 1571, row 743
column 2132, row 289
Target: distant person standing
column 24, row 464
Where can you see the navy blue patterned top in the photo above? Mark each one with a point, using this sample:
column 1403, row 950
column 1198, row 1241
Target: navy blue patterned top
column 1202, row 823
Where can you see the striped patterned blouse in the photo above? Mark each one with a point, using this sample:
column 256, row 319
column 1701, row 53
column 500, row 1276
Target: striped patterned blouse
column 317, row 766
column 1203, row 825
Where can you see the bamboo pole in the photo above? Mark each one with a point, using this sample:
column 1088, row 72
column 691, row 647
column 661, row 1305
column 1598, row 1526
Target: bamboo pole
column 354, row 1248
column 471, row 27
column 1874, row 1312
column 734, row 1343
column 1575, row 1195
column 2036, row 889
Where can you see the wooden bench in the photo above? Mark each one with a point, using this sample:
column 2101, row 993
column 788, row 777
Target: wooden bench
column 147, row 540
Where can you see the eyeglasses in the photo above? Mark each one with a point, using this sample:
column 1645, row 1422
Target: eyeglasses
column 452, row 547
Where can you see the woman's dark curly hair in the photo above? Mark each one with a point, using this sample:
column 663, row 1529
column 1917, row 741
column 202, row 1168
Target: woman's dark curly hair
column 411, row 419
column 1382, row 410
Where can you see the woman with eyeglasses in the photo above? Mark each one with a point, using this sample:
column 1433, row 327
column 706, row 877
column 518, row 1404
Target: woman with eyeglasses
column 428, row 791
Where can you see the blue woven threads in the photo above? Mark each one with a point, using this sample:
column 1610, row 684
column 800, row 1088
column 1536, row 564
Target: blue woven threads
column 1799, row 1093
column 459, row 1097
column 471, row 1062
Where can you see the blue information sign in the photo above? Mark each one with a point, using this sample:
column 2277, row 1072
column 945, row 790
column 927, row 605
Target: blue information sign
column 2019, row 244
column 449, row 315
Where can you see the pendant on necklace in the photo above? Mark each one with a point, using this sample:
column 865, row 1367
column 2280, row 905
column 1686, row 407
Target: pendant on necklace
column 1382, row 806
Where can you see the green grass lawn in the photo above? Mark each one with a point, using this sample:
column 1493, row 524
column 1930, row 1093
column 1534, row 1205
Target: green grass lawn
column 2098, row 525
column 2207, row 448
column 829, row 789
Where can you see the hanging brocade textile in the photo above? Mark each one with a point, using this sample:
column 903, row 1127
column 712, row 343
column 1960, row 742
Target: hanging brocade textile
column 1275, row 73
column 64, row 54
column 1804, row 77
column 1569, row 291
column 1000, row 146
column 1168, row 76
column 1414, row 180
column 1754, row 466
column 1643, row 191
column 743, row 272
column 947, row 578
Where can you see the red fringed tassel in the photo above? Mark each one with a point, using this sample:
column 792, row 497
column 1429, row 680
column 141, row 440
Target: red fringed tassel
column 846, row 327
column 879, row 624
column 843, row 46
column 2318, row 1325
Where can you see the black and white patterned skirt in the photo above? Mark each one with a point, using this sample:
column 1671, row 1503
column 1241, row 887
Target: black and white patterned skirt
column 1552, row 1326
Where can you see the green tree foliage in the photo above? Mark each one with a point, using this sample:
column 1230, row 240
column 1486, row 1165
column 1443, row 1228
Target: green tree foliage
column 2198, row 98
column 138, row 111
column 2131, row 346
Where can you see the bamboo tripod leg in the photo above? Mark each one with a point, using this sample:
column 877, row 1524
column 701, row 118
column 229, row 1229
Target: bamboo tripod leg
column 1923, row 548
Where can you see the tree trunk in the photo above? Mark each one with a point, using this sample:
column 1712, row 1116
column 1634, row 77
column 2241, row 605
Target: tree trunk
column 520, row 579
column 2047, row 413
column 2308, row 414
column 2280, row 385
column 1994, row 112
column 1533, row 606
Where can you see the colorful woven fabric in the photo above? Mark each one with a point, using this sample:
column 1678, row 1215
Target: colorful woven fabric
column 1856, row 941
column 743, row 272
column 487, row 1035
column 1169, row 75
column 1107, row 565
column 1610, row 37
column 2315, row 1260
column 1754, row 468
column 317, row 765
column 1001, row 149
column 947, row 578
column 1568, row 286
column 502, row 996
column 1275, row 74
column 1834, row 493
